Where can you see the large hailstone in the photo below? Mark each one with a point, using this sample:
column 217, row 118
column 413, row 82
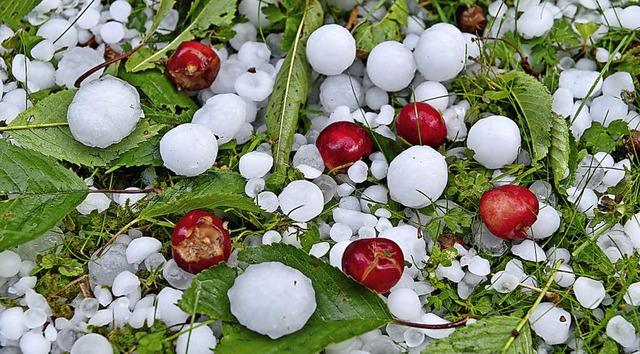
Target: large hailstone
column 495, row 141
column 391, row 66
column 301, row 200
column 272, row 299
column 223, row 114
column 331, row 49
column 103, row 112
column 417, row 177
column 441, row 52
column 189, row 149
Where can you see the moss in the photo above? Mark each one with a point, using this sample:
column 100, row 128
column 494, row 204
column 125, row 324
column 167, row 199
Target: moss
column 53, row 284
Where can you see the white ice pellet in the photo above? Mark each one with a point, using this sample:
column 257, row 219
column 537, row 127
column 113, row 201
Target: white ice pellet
column 632, row 228
column 253, row 54
column 616, row 173
column 223, row 114
column 167, row 310
column 75, row 62
column 375, row 98
column 529, row 251
column 333, row 39
column 495, row 141
column 176, row 276
column 585, row 199
column 373, row 195
column 189, row 149
column 379, row 169
column 579, row 82
column 94, row 201
column 341, row 90
column 12, row 324
column 441, row 52
column 432, row 92
column 391, row 66
column 535, row 21
column 632, row 296
column 34, row 342
column 605, row 109
column 547, row 224
column 620, row 330
column 254, row 186
column 479, row 266
column 319, row 249
column 453, row 272
column 358, row 171
column 92, row 343
column 43, row 50
column 430, row 318
column 580, row 119
column 340, row 232
column 230, row 70
column 254, row 86
column 565, row 276
column 301, row 200
column 34, row 317
column 630, row 17
column 616, row 84
column 123, row 199
column 255, row 164
column 282, row 310
column 551, row 323
column 112, row 32
column 417, row 176
column 308, row 160
column 252, row 10
column 120, row 10
column 563, row 102
column 413, row 247
column 60, row 31
column 10, row 263
column 589, row 292
column 88, row 18
column 271, row 236
column 198, row 338
column 154, row 261
column 125, row 283
column 404, row 304
column 336, row 252
column 268, row 201
column 504, row 282
column 24, row 284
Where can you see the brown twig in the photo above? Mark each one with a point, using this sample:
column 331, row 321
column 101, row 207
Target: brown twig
column 449, row 325
column 353, row 18
column 72, row 283
column 124, row 191
column 105, row 64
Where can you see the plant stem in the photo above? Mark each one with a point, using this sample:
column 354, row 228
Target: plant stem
column 33, row 126
column 431, row 326
column 125, row 191
column 105, row 64
column 72, row 283
column 120, row 232
column 524, row 320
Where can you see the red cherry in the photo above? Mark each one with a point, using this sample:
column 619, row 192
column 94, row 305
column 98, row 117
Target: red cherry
column 200, row 241
column 377, row 263
column 509, row 210
column 193, row 66
column 428, row 129
column 343, row 143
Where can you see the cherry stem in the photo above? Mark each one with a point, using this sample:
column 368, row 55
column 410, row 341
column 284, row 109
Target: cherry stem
column 125, row 191
column 105, row 64
column 455, row 324
column 523, row 60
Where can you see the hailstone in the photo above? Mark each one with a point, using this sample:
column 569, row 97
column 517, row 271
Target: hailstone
column 103, row 112
column 331, row 49
column 495, row 141
column 391, row 66
column 189, row 149
column 272, row 299
column 223, row 114
column 441, row 52
column 417, row 177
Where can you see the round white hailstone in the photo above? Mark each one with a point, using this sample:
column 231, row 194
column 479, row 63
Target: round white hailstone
column 270, row 237
column 254, row 86
column 272, row 299
column 616, row 83
column 89, row 19
column 103, row 112
column 19, row 98
column 373, row 195
column 536, row 21
column 358, row 171
column 404, row 304
column 441, row 52
column 620, row 330
column 245, row 32
column 75, row 62
column 189, row 149
column 268, row 201
column 630, row 17
column 340, row 232
column 413, row 247
column 417, row 176
column 198, row 338
column 341, row 90
column 331, row 49
column 12, row 324
column 9, row 264
column 632, row 296
column 120, row 10
column 167, row 308
column 565, row 277
column 223, row 114
column 453, row 272
column 336, row 253
column 34, row 343
column 479, row 266
column 495, row 141
column 53, row 30
column 301, row 200
column 125, row 283
column 92, row 343
column 42, row 76
column 589, row 292
column 632, row 228
column 579, row 82
column 252, row 10
column 563, row 102
column 253, row 54
column 602, row 55
column 391, row 66
column 255, row 164
column 551, row 323
column 606, row 109
column 529, row 251
column 112, row 32
column 376, row 98
column 547, row 223
column 43, row 50
column 319, row 249
column 433, row 93
column 141, row 248
column 20, row 67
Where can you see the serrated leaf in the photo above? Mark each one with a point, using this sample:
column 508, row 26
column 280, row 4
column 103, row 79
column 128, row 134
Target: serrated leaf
column 36, row 194
column 145, row 154
column 58, row 142
column 211, row 190
column 291, row 88
column 12, row 12
column 560, row 149
column 389, row 28
column 485, row 336
column 344, row 310
column 203, row 14
column 533, row 102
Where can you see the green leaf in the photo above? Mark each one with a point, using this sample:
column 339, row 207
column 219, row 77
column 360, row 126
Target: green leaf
column 344, row 310
column 211, row 190
column 163, row 9
column 533, row 102
column 586, row 29
column 58, row 142
column 291, row 89
column 203, row 14
column 560, row 149
column 368, row 35
column 145, row 154
column 485, row 336
column 12, row 12
column 35, row 192
column 598, row 138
